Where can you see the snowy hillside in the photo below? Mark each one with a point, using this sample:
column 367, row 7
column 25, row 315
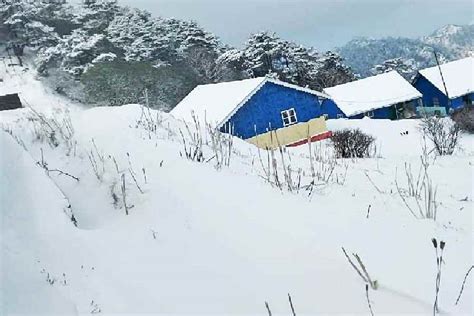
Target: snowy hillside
column 204, row 238
column 457, row 38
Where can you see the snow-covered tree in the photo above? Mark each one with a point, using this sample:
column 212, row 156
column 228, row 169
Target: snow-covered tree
column 405, row 67
column 140, row 37
column 198, row 48
column 25, row 24
column 230, row 66
column 75, row 53
column 333, row 71
column 266, row 54
column 95, row 16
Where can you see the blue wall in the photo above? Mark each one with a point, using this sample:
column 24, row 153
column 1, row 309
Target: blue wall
column 382, row 113
column 430, row 91
column 330, row 108
column 262, row 111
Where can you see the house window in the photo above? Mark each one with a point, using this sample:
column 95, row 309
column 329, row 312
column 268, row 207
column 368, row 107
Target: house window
column 339, row 116
column 289, row 117
column 326, row 116
column 435, row 101
column 369, row 114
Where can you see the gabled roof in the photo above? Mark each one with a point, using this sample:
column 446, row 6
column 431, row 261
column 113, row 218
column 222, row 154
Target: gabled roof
column 372, row 93
column 458, row 76
column 216, row 103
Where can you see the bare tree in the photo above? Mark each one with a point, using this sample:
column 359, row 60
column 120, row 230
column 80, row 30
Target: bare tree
column 443, row 133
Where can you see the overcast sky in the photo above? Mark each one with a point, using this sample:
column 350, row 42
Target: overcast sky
column 323, row 24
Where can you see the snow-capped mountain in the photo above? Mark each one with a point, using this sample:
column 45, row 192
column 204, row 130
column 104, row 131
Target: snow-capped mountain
column 459, row 39
column 450, row 42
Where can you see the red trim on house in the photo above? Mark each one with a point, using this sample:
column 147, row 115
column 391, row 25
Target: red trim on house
column 313, row 139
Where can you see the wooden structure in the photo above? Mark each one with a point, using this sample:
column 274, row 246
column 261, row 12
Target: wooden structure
column 10, row 102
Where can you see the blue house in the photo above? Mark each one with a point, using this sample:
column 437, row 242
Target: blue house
column 449, row 87
column 385, row 96
column 250, row 107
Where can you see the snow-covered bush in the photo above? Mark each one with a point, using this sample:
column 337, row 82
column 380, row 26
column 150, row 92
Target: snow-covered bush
column 352, row 143
column 443, row 133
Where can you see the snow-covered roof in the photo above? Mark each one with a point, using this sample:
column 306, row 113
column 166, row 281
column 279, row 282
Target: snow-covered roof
column 372, row 93
column 458, row 76
column 216, row 103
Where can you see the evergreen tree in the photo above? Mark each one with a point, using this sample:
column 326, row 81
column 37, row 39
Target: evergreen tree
column 405, row 67
column 267, row 54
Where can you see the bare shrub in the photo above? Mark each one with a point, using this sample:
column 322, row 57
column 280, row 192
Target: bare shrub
column 193, row 150
column 361, row 269
column 222, row 146
column 443, row 133
column 97, row 161
column 439, row 262
column 53, row 130
column 465, row 119
column 420, row 187
column 353, row 143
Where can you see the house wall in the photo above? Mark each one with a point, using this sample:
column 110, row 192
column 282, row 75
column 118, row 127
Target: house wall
column 330, row 108
column 314, row 129
column 459, row 102
column 429, row 92
column 382, row 113
column 262, row 112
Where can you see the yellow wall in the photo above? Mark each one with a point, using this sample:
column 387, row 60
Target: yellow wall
column 289, row 135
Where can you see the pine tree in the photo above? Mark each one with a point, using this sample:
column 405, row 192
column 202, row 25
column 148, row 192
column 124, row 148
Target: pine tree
column 267, row 54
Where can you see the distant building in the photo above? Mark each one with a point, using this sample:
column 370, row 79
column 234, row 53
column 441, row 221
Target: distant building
column 459, row 80
column 385, row 96
column 10, row 102
column 263, row 111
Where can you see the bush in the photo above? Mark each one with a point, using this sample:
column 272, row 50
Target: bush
column 443, row 132
column 352, row 143
column 465, row 119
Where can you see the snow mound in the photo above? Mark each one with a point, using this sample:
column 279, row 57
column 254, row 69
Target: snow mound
column 32, row 217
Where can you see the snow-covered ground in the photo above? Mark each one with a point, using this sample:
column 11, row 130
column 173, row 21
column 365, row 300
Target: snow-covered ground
column 200, row 240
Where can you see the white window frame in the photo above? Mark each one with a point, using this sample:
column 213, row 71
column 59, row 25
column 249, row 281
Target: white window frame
column 326, row 116
column 339, row 116
column 370, row 114
column 290, row 114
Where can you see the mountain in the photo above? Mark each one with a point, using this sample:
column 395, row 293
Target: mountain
column 450, row 42
column 459, row 39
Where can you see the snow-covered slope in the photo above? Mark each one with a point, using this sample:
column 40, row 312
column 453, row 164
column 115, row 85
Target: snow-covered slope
column 32, row 219
column 201, row 240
